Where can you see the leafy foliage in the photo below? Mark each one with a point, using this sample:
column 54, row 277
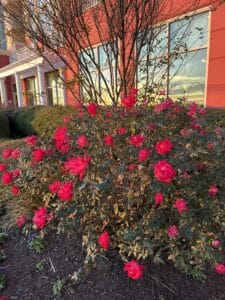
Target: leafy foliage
column 114, row 188
column 4, row 127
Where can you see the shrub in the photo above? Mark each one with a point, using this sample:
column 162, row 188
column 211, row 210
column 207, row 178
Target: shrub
column 4, row 127
column 37, row 119
column 47, row 119
column 145, row 181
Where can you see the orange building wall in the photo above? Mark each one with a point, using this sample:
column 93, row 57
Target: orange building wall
column 216, row 64
column 215, row 80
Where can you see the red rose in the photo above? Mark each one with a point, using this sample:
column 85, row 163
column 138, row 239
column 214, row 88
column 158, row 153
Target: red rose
column 6, row 153
column 15, row 153
column 164, row 146
column 15, row 190
column 143, row 154
column 4, row 298
column 61, row 139
column 54, row 186
column 213, row 191
column 220, row 269
column 181, row 205
column 104, row 240
column 121, row 130
column 172, row 231
column 132, row 167
column 16, row 173
column 66, row 119
column 137, row 140
column 164, row 172
column 134, row 269
column 65, row 192
column 20, row 221
column 108, row 140
column 2, row 167
column 31, row 140
column 129, row 101
column 38, row 155
column 216, row 243
column 82, row 141
column 77, row 165
column 159, row 198
column 92, row 109
column 40, row 217
column 7, row 178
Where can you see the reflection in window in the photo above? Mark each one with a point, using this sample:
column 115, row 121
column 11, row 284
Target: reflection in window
column 184, row 59
column 100, row 73
column 187, row 76
column 54, row 88
column 31, row 91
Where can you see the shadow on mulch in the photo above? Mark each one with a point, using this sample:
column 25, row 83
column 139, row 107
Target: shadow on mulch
column 65, row 255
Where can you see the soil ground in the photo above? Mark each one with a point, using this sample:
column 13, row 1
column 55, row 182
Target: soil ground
column 64, row 255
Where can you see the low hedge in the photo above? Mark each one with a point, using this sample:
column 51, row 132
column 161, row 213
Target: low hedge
column 46, row 120
column 36, row 119
column 4, row 127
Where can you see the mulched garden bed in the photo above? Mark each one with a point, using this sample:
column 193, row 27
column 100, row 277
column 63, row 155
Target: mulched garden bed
column 64, row 255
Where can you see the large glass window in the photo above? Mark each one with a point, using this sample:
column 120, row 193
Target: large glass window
column 54, row 88
column 31, row 91
column 98, row 68
column 178, row 57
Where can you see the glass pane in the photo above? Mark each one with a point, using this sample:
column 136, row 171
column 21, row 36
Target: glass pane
column 187, row 76
column 189, row 33
column 103, row 86
column 106, row 56
column 88, row 57
column 156, row 70
column 156, row 43
column 86, row 90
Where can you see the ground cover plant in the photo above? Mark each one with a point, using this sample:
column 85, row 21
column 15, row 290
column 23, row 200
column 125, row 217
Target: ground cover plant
column 144, row 181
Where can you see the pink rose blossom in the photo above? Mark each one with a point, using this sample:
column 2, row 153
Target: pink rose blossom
column 164, row 146
column 2, row 167
column 136, row 140
column 134, row 269
column 54, row 186
column 82, row 141
column 20, row 221
column 164, row 172
column 108, row 140
column 65, row 192
column 77, row 165
column 181, row 205
column 213, row 191
column 143, row 154
column 40, row 218
column 220, row 269
column 104, row 240
column 92, row 109
column 7, row 178
column 172, row 231
column 216, row 243
column 6, row 153
column 15, row 153
column 31, row 140
column 159, row 198
column 15, row 190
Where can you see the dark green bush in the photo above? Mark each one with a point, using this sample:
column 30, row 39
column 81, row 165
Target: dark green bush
column 4, row 127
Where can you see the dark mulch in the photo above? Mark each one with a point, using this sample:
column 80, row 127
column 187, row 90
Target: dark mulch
column 161, row 282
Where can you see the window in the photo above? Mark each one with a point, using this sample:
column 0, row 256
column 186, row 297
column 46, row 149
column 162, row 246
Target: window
column 15, row 97
column 31, row 91
column 54, row 88
column 177, row 58
column 99, row 69
column 2, row 31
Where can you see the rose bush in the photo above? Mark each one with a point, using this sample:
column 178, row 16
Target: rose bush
column 134, row 178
